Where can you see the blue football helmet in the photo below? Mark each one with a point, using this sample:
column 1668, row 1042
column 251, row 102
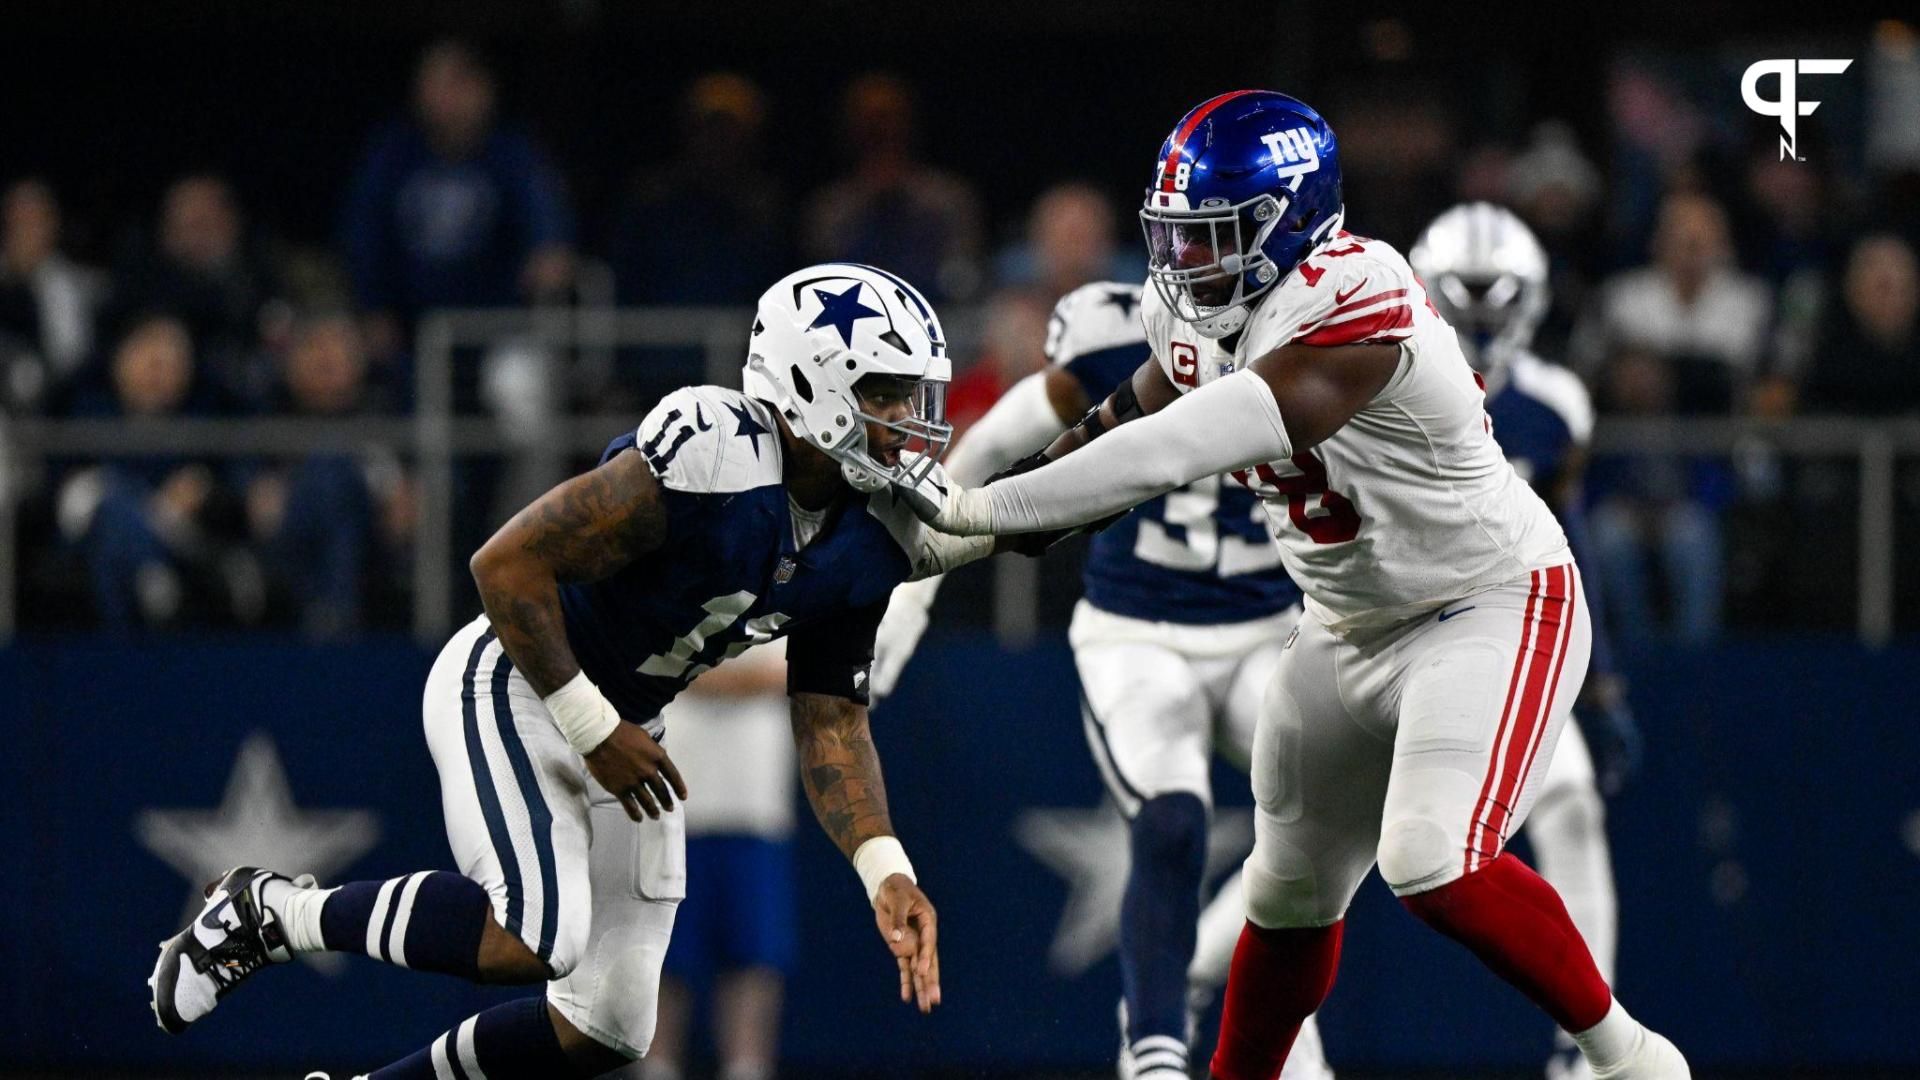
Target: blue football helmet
column 1246, row 187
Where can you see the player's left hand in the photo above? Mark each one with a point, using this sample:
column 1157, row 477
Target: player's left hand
column 911, row 930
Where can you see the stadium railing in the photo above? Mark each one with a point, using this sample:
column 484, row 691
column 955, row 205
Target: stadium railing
column 587, row 338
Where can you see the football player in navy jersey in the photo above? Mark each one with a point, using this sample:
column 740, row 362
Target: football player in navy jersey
column 1487, row 274
column 727, row 519
column 1182, row 625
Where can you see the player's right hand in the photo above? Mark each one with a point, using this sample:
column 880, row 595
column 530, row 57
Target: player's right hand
column 635, row 768
column 911, row 930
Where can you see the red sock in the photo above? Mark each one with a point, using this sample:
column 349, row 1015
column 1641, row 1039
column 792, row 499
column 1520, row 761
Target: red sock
column 1278, row 979
column 1515, row 923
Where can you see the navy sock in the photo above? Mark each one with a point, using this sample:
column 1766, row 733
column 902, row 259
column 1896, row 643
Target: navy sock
column 1158, row 920
column 504, row 1043
column 430, row 921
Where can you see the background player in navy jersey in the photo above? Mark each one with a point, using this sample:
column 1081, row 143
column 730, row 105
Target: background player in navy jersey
column 1487, row 274
column 727, row 520
column 1182, row 626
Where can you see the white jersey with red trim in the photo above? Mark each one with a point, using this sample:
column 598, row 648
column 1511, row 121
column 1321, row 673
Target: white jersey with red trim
column 1409, row 506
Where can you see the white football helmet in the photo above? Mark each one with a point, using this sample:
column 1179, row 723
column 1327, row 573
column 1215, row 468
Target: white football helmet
column 1488, row 276
column 820, row 331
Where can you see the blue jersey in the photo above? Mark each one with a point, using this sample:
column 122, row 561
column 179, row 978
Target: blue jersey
column 1200, row 555
column 730, row 573
column 1541, row 414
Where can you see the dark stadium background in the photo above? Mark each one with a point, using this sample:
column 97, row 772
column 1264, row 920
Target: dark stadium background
column 1768, row 850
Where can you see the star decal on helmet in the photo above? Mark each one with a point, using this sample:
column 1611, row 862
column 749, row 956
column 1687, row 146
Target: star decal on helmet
column 841, row 311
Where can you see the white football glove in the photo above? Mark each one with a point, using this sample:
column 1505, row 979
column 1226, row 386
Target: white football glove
column 940, row 502
column 908, row 614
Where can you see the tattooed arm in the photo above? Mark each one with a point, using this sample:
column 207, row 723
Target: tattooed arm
column 840, row 771
column 583, row 530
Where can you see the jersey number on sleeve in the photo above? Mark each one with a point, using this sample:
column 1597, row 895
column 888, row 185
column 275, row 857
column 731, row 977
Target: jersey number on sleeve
column 1333, row 520
column 659, row 458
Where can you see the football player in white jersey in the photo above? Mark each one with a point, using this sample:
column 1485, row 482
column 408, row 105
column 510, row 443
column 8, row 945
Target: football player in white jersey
column 1178, row 635
column 1487, row 274
column 1444, row 636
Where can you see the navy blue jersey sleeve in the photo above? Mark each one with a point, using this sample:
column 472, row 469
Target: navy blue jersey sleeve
column 1100, row 372
column 832, row 656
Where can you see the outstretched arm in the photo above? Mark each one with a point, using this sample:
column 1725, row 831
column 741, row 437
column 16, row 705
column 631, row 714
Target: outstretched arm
column 1289, row 400
column 1032, row 411
column 840, row 771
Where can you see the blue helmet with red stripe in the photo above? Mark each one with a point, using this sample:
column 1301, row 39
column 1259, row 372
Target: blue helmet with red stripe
column 1246, row 186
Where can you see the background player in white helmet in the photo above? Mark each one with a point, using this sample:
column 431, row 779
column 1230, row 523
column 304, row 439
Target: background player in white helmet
column 728, row 519
column 1177, row 637
column 1487, row 274
column 1444, row 634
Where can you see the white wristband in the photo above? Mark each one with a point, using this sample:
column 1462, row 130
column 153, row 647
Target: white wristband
column 582, row 713
column 878, row 859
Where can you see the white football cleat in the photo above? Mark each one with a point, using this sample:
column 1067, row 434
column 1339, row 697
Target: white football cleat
column 1161, row 1051
column 234, row 936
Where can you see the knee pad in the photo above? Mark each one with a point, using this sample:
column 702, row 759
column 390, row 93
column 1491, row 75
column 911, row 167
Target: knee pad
column 1285, row 890
column 1417, row 853
column 1170, row 830
column 569, row 945
column 614, row 996
column 630, row 992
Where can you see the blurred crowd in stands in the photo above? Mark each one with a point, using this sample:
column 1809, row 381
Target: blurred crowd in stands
column 1695, row 273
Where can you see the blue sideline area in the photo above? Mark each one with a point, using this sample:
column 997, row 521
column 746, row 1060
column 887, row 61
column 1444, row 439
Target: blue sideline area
column 1768, row 856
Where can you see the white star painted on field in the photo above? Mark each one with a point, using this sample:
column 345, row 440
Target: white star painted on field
column 1089, row 849
column 257, row 824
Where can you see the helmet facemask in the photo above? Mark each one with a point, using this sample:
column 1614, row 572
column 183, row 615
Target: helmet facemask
column 1495, row 315
column 921, row 424
column 853, row 359
column 1215, row 295
column 921, row 427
